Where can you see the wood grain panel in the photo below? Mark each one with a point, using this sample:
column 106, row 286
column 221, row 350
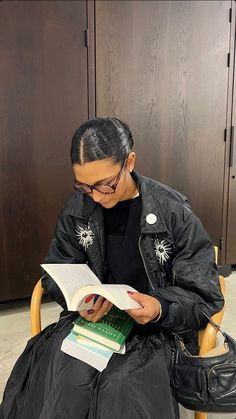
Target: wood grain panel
column 231, row 163
column 162, row 67
column 43, row 99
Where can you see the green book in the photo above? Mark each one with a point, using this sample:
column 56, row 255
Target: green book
column 111, row 331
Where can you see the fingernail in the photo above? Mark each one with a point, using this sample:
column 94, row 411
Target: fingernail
column 89, row 298
column 90, row 311
column 130, row 292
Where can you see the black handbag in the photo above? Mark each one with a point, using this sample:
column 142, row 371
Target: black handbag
column 205, row 383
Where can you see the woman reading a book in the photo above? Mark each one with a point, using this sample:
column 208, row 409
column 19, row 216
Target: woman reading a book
column 131, row 230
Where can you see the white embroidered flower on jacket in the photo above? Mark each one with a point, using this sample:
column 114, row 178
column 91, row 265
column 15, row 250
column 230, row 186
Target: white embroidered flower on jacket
column 85, row 236
column 162, row 250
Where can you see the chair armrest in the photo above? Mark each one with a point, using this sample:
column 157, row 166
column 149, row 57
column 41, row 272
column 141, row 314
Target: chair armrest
column 35, row 304
column 208, row 335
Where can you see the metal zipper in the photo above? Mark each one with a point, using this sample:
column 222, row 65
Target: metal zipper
column 144, row 264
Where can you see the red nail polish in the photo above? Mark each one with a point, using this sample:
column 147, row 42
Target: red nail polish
column 89, row 298
column 90, row 311
column 130, row 292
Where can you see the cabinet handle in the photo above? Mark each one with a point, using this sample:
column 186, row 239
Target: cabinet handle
column 231, row 150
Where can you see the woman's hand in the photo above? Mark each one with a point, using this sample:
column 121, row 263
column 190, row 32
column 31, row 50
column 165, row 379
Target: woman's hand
column 150, row 308
column 99, row 310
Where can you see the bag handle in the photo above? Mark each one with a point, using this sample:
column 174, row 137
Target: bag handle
column 215, row 325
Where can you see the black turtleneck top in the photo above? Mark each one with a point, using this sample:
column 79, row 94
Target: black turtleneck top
column 122, row 229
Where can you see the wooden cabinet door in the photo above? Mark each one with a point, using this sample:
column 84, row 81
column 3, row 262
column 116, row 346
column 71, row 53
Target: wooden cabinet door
column 162, row 67
column 43, row 99
column 231, row 173
column 231, row 224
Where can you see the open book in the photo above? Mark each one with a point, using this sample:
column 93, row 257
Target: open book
column 78, row 283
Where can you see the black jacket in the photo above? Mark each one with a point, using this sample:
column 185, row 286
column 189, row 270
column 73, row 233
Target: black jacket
column 177, row 253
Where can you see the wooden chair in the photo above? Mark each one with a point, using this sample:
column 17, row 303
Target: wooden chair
column 207, row 337
column 35, row 308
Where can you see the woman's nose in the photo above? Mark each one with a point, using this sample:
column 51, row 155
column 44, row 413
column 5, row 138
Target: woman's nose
column 97, row 196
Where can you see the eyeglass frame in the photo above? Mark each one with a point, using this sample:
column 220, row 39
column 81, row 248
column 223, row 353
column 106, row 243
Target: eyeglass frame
column 79, row 186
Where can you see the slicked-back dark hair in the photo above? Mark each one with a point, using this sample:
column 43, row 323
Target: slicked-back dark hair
column 101, row 138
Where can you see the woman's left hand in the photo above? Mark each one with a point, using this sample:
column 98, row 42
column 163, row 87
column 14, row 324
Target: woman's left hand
column 150, row 309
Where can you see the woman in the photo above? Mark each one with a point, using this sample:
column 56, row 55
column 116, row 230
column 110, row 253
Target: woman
column 129, row 229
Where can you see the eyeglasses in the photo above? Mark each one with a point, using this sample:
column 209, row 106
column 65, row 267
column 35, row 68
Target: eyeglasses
column 105, row 189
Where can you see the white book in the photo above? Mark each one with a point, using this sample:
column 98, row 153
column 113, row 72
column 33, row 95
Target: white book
column 92, row 353
column 77, row 282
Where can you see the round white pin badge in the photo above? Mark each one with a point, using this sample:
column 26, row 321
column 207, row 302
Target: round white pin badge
column 151, row 218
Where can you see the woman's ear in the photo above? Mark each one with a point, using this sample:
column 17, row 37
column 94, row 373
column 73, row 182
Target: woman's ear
column 131, row 161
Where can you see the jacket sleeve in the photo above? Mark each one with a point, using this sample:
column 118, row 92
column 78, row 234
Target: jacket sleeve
column 195, row 279
column 64, row 248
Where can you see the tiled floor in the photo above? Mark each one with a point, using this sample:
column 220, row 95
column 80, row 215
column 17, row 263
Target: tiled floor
column 15, row 331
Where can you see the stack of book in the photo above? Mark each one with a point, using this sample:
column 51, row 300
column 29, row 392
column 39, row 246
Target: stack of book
column 95, row 343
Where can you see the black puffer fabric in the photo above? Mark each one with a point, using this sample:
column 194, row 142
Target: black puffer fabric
column 48, row 384
column 178, row 260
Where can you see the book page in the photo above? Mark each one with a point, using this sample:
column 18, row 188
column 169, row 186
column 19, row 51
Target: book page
column 115, row 293
column 70, row 278
column 88, row 342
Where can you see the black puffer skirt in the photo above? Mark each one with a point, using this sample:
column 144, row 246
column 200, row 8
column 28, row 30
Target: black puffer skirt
column 45, row 383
